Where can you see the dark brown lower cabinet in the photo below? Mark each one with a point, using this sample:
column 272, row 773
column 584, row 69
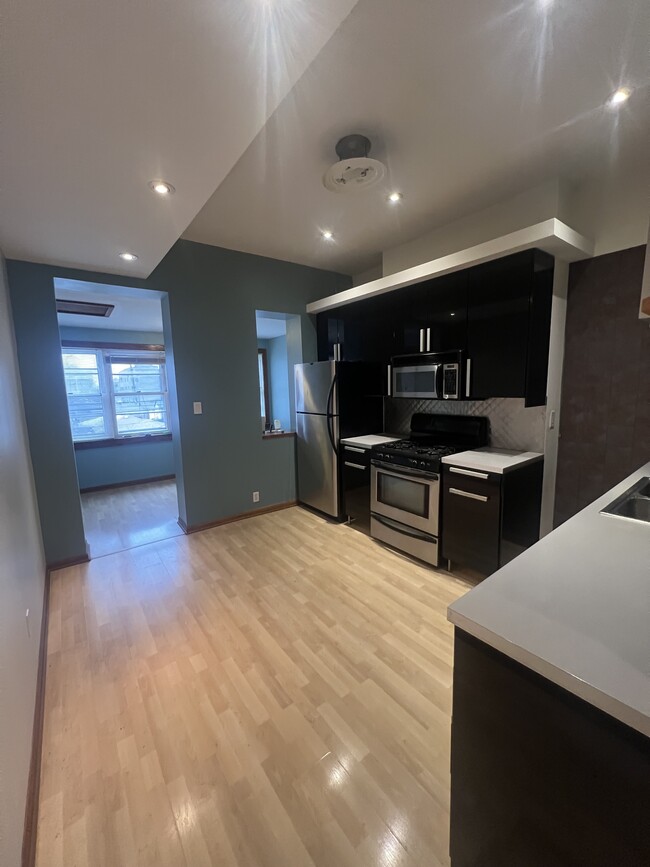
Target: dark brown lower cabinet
column 539, row 777
column 489, row 518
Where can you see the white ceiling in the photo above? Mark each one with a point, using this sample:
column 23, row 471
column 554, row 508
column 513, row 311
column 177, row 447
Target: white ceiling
column 467, row 103
column 98, row 98
column 268, row 328
column 135, row 309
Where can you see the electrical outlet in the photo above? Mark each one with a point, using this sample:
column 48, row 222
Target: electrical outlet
column 256, row 496
column 198, row 407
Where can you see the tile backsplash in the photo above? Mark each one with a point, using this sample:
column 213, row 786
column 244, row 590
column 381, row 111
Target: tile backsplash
column 512, row 425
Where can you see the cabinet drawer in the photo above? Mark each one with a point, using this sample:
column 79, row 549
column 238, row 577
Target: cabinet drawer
column 355, row 455
column 471, row 519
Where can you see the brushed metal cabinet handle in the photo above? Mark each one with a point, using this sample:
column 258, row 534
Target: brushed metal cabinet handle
column 358, row 451
column 421, row 339
column 469, row 496
column 428, row 340
column 473, row 473
column 356, row 466
column 468, row 377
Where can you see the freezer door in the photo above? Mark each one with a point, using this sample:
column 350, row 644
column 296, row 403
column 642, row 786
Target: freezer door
column 313, row 384
column 318, row 482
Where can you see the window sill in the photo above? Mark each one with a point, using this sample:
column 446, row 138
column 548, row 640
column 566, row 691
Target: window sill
column 121, row 441
column 278, row 436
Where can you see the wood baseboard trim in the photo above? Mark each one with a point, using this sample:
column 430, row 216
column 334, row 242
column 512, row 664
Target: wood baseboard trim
column 197, row 528
column 63, row 564
column 34, row 779
column 129, row 484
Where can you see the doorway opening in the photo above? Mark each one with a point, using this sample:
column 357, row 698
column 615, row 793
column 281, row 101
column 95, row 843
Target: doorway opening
column 279, row 348
column 113, row 351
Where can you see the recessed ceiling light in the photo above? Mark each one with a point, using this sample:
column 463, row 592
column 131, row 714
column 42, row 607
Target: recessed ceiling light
column 619, row 97
column 452, row 314
column 128, row 257
column 327, row 235
column 395, row 197
column 162, row 188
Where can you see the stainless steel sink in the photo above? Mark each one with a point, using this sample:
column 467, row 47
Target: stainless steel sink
column 633, row 504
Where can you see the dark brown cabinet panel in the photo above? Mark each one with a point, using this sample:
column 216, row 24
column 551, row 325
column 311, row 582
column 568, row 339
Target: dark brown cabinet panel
column 490, row 518
column 508, row 324
column 471, row 519
column 499, row 313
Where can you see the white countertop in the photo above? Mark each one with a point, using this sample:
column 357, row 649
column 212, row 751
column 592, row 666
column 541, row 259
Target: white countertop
column 491, row 460
column 369, row 440
column 575, row 608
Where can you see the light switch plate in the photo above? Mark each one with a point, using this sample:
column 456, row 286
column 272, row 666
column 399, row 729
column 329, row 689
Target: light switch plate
column 198, row 407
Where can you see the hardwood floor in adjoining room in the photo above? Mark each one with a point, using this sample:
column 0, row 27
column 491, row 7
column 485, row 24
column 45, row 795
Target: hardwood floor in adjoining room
column 269, row 693
column 119, row 518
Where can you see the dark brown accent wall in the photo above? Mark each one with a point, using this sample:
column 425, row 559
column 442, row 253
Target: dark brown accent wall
column 605, row 417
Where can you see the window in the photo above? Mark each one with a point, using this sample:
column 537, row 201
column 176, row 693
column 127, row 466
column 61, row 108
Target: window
column 262, row 372
column 115, row 393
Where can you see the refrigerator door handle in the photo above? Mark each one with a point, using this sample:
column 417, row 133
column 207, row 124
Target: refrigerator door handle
column 328, row 409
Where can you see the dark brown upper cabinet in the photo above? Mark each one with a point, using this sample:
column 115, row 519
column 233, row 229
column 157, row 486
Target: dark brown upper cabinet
column 508, row 327
column 498, row 313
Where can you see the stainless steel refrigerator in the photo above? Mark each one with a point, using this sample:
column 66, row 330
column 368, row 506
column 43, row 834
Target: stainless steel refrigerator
column 334, row 400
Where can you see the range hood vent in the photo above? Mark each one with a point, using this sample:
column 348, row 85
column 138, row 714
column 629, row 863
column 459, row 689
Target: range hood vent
column 84, row 308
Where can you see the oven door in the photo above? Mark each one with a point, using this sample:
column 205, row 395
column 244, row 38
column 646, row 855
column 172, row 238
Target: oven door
column 409, row 497
column 417, row 380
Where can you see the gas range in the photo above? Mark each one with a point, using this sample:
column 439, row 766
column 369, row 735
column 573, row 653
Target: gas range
column 422, row 454
column 405, row 480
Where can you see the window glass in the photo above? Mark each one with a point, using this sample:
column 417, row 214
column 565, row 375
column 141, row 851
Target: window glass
column 113, row 394
column 85, row 402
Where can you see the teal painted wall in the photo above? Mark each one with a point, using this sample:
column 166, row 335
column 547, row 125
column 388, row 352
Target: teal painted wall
column 106, row 335
column 212, row 296
column 277, row 361
column 210, row 338
column 112, row 465
column 46, row 410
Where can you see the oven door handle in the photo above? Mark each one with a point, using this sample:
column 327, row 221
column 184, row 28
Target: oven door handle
column 404, row 530
column 392, row 470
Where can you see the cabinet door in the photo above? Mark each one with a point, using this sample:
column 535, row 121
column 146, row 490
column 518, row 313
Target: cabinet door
column 442, row 306
column 471, row 519
column 499, row 298
column 356, row 485
column 329, row 332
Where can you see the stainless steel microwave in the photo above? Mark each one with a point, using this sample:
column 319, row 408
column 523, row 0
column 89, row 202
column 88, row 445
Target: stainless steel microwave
column 428, row 375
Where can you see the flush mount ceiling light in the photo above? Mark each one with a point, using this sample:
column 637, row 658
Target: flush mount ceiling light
column 327, row 235
column 161, row 187
column 128, row 257
column 355, row 171
column 619, row 97
column 395, row 197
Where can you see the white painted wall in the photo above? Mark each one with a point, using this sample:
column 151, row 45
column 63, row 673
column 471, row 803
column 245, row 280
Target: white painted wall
column 611, row 209
column 531, row 207
column 554, row 393
column 22, row 573
column 614, row 209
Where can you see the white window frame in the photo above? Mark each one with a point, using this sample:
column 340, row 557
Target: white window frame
column 107, row 391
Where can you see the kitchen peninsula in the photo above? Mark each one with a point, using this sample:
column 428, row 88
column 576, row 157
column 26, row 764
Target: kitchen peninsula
column 551, row 708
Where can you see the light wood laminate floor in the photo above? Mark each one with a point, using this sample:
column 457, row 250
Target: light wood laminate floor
column 121, row 518
column 270, row 693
